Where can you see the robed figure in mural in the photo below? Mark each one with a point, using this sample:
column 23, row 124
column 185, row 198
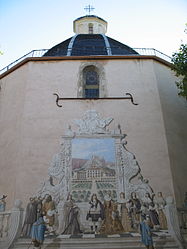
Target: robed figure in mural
column 124, row 208
column 71, row 217
column 148, row 207
column 161, row 203
column 116, row 222
column 153, row 216
column 73, row 226
column 39, row 206
column 67, row 206
column 135, row 210
column 147, row 200
column 30, row 217
column 37, row 232
column 111, row 223
column 60, row 216
column 49, row 211
column 145, row 231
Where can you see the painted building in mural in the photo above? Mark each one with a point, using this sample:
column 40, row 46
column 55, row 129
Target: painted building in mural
column 92, row 120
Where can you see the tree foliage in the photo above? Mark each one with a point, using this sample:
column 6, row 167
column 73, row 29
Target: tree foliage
column 179, row 60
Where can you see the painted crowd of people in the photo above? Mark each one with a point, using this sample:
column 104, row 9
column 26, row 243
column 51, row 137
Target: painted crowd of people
column 104, row 217
column 124, row 215
column 109, row 216
column 39, row 218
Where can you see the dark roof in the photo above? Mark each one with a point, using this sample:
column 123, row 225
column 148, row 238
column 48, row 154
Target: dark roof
column 59, row 50
column 119, row 48
column 90, row 44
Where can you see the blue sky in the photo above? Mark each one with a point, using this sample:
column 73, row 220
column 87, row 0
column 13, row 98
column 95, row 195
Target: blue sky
column 36, row 24
column 85, row 148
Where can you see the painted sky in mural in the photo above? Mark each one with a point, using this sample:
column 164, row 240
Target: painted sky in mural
column 85, row 148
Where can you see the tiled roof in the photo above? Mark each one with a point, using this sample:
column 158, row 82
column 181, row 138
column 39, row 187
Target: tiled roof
column 90, row 44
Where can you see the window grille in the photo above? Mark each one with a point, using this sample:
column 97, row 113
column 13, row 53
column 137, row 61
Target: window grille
column 91, row 82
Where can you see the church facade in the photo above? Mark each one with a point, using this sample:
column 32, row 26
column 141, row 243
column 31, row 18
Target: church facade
column 92, row 117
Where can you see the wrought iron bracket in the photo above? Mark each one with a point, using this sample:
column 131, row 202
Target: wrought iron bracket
column 128, row 96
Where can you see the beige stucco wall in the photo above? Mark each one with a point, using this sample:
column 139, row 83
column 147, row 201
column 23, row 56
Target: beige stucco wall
column 31, row 123
column 12, row 98
column 174, row 109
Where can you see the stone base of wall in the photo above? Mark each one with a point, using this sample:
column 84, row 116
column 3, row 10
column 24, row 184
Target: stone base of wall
column 94, row 241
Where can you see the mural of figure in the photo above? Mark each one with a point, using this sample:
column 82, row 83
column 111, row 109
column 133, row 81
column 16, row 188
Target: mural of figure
column 68, row 205
column 106, row 227
column 145, row 231
column 135, row 209
column 48, row 210
column 111, row 223
column 116, row 223
column 153, row 215
column 147, row 200
column 30, row 217
column 2, row 203
column 60, row 215
column 39, row 206
column 161, row 203
column 95, row 213
column 37, row 232
column 73, row 226
column 123, row 207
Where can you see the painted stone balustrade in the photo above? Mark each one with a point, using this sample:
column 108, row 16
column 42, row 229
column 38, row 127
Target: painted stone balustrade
column 10, row 225
column 4, row 224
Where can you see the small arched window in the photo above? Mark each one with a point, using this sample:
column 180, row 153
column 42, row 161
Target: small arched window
column 90, row 28
column 91, row 82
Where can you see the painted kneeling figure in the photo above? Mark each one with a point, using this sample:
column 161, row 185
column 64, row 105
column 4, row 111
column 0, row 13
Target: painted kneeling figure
column 37, row 232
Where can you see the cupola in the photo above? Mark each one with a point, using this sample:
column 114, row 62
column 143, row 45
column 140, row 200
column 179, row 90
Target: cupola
column 90, row 39
column 90, row 24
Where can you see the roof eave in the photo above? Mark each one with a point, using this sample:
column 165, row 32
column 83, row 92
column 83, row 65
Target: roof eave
column 90, row 57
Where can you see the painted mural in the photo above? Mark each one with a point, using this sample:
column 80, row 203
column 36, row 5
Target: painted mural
column 94, row 186
column 93, row 168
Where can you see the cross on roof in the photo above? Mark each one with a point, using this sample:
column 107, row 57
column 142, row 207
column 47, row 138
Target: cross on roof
column 89, row 8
